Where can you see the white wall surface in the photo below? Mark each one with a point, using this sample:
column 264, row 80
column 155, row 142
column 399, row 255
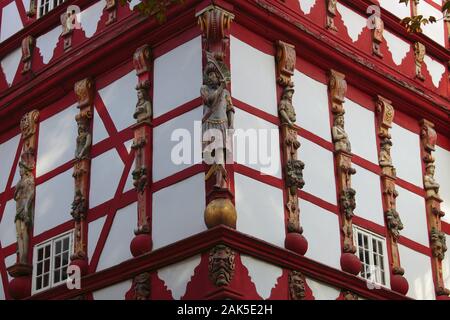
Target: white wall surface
column 260, row 216
column 90, row 17
column 368, row 195
column 442, row 176
column 11, row 22
column 177, row 77
column 8, row 151
column 57, row 140
column 177, row 276
column 47, row 42
column 120, row 99
column 436, row 69
column 53, row 202
column 411, row 208
column 307, row 5
column 10, row 63
column 117, row 246
column 253, row 76
column 321, row 229
column 311, row 105
column 319, row 171
column 354, row 23
column 2, row 291
column 178, row 211
column 322, row 291
column 7, row 225
column 114, row 292
column 263, row 275
column 397, row 46
column 396, row 8
column 99, row 132
column 418, row 273
column 94, row 230
column 435, row 31
column 446, row 266
column 406, row 155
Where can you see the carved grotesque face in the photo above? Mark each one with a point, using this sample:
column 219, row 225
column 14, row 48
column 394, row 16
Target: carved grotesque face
column 297, row 286
column 339, row 121
column 221, row 265
column 213, row 78
column 140, row 95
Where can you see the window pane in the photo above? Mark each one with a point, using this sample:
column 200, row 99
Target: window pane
column 56, row 276
column 47, row 251
column 40, row 254
column 57, row 261
column 66, row 243
column 46, row 280
column 47, row 265
column 57, row 247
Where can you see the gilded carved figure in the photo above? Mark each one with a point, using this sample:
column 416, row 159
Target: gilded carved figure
column 348, row 202
column 438, row 243
column 331, row 13
column 286, row 109
column 340, row 137
column 79, row 206
column 430, row 184
column 394, row 223
column 419, row 52
column 385, row 153
column 221, row 265
column 297, row 288
column 143, row 109
column 294, row 175
column 84, row 139
column 24, row 197
column 377, row 36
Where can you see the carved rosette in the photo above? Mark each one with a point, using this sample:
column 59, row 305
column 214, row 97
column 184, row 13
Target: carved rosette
column 28, row 44
column 331, row 14
column 293, row 168
column 377, row 36
column 84, row 91
column 111, row 8
column 385, row 117
column 419, row 56
column 297, row 285
column 433, row 205
column 221, row 265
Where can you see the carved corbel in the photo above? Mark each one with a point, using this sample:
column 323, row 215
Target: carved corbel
column 111, row 8
column 286, row 58
column 419, row 56
column 331, row 14
column 221, row 265
column 142, row 286
column 297, row 285
column 377, row 36
column 28, row 44
column 32, row 9
column 142, row 60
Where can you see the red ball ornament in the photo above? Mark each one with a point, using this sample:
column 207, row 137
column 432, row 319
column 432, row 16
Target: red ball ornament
column 296, row 242
column 20, row 287
column 141, row 244
column 399, row 284
column 350, row 263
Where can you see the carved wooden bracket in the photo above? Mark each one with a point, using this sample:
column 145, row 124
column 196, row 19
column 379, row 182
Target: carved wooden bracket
column 297, row 285
column 111, row 8
column 331, row 14
column 419, row 55
column 286, row 59
column 377, row 36
column 28, row 44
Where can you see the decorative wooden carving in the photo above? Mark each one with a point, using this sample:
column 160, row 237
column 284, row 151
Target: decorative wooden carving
column 111, row 8
column 221, row 265
column 32, row 9
column 28, row 44
column 293, row 168
column 142, row 286
column 331, row 14
column 68, row 23
column 377, row 36
column 142, row 60
column 386, row 113
column 349, row 295
column 433, row 205
column 419, row 55
column 84, row 90
column 297, row 286
column 343, row 160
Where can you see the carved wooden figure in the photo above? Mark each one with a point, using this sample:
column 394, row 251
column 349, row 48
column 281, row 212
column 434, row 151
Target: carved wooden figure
column 221, row 265
column 111, row 8
column 419, row 54
column 377, row 36
column 297, row 286
column 331, row 14
column 28, row 44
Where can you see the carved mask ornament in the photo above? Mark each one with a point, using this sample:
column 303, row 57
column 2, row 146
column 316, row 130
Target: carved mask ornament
column 221, row 265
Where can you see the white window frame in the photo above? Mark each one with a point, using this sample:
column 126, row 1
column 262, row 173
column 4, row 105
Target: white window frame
column 52, row 242
column 52, row 4
column 373, row 236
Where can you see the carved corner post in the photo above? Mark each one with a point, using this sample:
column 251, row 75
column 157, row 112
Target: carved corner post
column 24, row 195
column 343, row 161
column 331, row 14
column 377, row 36
column 111, row 8
column 218, row 116
column 293, row 167
column 386, row 113
column 142, row 173
column 433, row 201
column 84, row 90
column 28, row 44
column 419, row 55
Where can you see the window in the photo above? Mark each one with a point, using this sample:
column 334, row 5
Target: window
column 45, row 6
column 51, row 259
column 371, row 251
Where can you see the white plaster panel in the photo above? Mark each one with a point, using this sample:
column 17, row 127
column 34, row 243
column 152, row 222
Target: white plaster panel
column 53, row 202
column 177, row 77
column 106, row 172
column 117, row 246
column 307, row 5
column 446, row 266
column 357, row 120
column 26, row 4
column 311, row 105
column 260, row 216
column 132, row 3
column 352, row 21
column 396, row 8
column 253, row 76
column 319, row 171
column 177, row 276
column 129, row 184
column 47, row 43
column 57, row 140
column 368, row 195
column 322, row 291
column 434, row 31
column 397, row 46
column 264, row 275
column 7, row 225
column 16, row 175
column 176, row 220
column 9, row 262
column 321, row 229
column 406, row 154
column 120, row 100
column 11, row 22
column 436, row 70
column 257, row 144
column 442, row 176
column 411, row 208
column 94, row 230
column 8, row 152
column 10, row 63
column 418, row 273
column 179, row 144
column 114, row 292
column 2, row 291
column 90, row 17
column 99, row 132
